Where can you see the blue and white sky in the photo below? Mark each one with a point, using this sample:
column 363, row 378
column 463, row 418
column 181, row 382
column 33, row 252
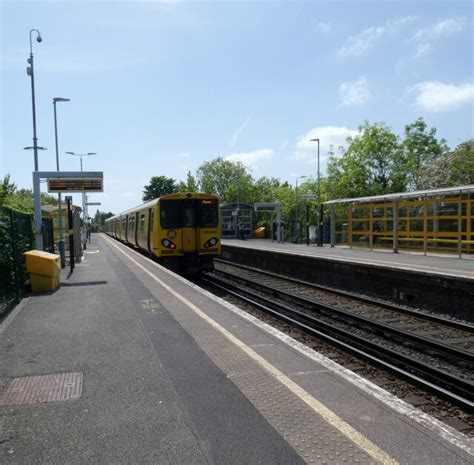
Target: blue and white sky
column 159, row 88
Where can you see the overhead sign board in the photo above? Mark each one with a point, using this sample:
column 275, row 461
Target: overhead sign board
column 93, row 203
column 75, row 185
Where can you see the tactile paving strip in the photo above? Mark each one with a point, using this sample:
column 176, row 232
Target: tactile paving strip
column 41, row 389
column 306, row 431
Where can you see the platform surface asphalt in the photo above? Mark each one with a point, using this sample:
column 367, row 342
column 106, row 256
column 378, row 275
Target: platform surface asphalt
column 443, row 265
column 160, row 384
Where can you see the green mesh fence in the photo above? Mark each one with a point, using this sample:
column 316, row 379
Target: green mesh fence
column 16, row 237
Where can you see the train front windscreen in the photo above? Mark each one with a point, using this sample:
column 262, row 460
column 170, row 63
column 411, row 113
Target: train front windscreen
column 189, row 213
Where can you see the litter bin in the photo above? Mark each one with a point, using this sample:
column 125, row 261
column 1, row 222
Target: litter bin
column 44, row 270
column 259, row 233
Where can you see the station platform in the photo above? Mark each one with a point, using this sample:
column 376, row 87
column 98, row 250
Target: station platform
column 436, row 265
column 436, row 283
column 129, row 363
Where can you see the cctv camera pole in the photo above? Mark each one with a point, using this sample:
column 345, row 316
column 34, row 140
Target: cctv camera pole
column 30, row 72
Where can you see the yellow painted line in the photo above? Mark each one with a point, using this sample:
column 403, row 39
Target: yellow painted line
column 334, row 420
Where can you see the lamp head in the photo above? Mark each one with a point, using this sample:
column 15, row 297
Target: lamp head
column 39, row 38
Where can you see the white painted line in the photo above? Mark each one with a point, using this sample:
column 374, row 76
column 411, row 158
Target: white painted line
column 427, row 421
column 334, row 420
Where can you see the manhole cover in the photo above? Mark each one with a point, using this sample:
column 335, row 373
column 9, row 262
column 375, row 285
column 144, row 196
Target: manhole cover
column 41, row 389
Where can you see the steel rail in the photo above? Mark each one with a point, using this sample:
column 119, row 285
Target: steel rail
column 454, row 388
column 439, row 347
column 365, row 299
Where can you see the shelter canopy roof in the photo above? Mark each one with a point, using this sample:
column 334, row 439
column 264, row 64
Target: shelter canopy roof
column 407, row 195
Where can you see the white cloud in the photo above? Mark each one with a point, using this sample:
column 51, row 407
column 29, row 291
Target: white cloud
column 323, row 26
column 423, row 50
column 237, row 132
column 437, row 96
column 440, row 30
column 328, row 135
column 361, row 43
column 354, row 92
column 251, row 158
column 444, row 28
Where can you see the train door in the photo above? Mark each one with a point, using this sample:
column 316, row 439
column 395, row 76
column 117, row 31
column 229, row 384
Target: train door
column 137, row 225
column 149, row 233
column 188, row 230
column 208, row 224
column 126, row 228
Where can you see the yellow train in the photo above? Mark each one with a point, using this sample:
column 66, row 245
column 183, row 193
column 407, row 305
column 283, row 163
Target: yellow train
column 181, row 230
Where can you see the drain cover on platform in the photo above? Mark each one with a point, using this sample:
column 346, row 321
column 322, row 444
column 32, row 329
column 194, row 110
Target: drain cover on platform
column 41, row 389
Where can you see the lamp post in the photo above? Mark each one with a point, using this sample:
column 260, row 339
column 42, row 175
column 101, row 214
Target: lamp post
column 296, row 205
column 84, row 203
column 320, row 205
column 60, row 216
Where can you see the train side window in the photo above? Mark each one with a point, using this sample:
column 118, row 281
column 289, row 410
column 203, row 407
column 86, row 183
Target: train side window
column 152, row 219
column 142, row 222
column 169, row 214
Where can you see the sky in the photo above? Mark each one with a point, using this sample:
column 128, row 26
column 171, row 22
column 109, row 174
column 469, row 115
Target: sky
column 158, row 88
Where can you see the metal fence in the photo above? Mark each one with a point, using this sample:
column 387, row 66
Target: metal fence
column 16, row 237
column 48, row 235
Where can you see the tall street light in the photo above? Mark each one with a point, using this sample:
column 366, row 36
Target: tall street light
column 84, row 203
column 81, row 155
column 31, row 73
column 61, row 239
column 320, row 205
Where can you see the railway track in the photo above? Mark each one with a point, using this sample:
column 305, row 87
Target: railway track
column 443, row 365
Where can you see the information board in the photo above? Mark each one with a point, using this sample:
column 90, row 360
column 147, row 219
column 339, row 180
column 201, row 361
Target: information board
column 75, row 185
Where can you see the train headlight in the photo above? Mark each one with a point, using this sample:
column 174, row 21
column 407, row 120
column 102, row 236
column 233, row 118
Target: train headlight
column 211, row 242
column 168, row 244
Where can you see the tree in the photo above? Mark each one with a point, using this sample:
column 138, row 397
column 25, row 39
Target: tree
column 100, row 217
column 371, row 165
column 462, row 164
column 191, row 184
column 159, row 186
column 420, row 148
column 449, row 169
column 226, row 179
column 7, row 189
column 265, row 189
column 21, row 199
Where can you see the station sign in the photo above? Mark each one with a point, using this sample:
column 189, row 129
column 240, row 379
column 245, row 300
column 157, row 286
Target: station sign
column 93, row 203
column 75, row 185
column 307, row 196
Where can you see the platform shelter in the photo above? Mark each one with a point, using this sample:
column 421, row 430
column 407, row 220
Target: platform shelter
column 429, row 221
